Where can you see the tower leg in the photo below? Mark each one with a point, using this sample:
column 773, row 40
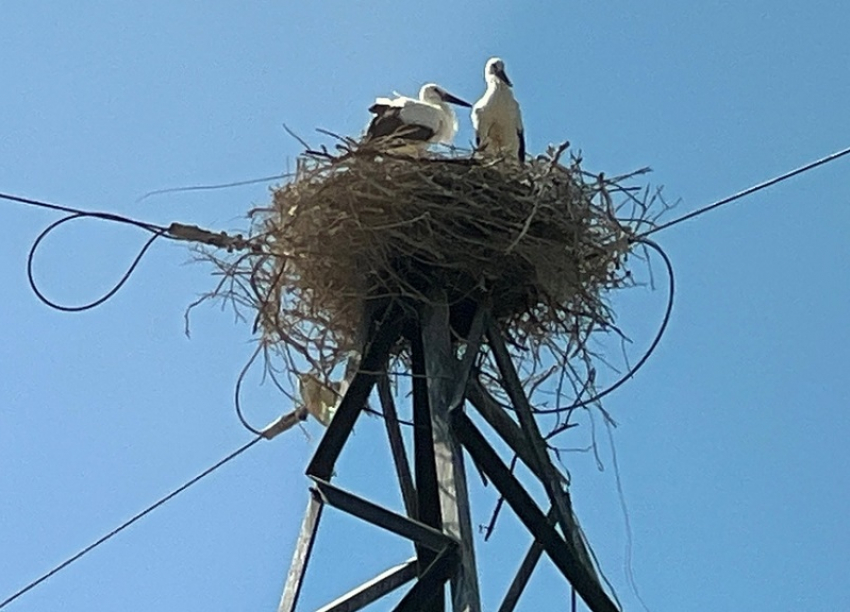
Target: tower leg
column 441, row 368
column 295, row 577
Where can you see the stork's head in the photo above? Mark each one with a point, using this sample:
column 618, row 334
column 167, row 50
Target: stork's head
column 494, row 71
column 437, row 95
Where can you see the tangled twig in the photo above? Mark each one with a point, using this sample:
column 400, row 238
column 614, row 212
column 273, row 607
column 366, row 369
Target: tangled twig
column 545, row 243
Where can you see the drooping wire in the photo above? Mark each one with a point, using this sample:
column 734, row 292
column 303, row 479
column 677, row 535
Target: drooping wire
column 237, row 391
column 175, row 231
column 642, row 238
column 73, row 214
column 161, row 231
column 157, row 233
column 129, row 522
column 671, row 293
column 749, row 190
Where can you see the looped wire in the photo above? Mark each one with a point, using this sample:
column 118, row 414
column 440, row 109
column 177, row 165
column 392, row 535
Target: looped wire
column 155, row 230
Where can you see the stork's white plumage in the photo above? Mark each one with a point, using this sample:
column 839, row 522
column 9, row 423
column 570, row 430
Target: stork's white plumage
column 417, row 123
column 496, row 116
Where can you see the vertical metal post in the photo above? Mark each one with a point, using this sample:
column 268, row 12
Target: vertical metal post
column 424, row 465
column 441, row 368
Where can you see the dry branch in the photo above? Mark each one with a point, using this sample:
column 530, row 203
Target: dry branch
column 354, row 231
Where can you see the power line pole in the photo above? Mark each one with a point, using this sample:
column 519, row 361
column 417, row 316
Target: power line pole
column 437, row 519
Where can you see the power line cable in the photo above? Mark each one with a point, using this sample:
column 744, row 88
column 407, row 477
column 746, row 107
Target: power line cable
column 151, row 227
column 158, row 233
column 668, row 311
column 129, row 522
column 175, row 231
column 749, row 190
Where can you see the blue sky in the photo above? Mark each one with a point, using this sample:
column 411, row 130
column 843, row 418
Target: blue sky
column 732, row 441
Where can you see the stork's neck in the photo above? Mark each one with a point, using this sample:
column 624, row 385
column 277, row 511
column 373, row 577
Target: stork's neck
column 449, row 125
column 495, row 84
column 450, row 113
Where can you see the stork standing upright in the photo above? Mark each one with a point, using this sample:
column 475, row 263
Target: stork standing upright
column 496, row 116
column 416, row 123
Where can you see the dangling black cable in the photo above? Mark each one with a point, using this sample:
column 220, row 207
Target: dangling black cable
column 671, row 292
column 155, row 230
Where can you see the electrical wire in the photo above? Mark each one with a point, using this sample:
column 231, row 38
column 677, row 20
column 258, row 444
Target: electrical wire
column 237, row 390
column 72, row 214
column 151, row 227
column 157, row 233
column 671, row 292
column 129, row 522
column 642, row 238
column 750, row 190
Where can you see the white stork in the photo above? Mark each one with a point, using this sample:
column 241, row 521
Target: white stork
column 419, row 123
column 496, row 116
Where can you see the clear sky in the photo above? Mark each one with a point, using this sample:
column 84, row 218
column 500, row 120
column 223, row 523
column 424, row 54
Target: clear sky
column 732, row 444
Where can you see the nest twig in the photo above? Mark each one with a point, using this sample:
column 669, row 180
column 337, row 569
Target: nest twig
column 543, row 243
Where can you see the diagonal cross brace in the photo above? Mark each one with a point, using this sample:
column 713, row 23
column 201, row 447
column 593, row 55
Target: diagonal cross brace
column 526, row 568
column 393, row 428
column 429, row 587
column 549, row 476
column 444, row 564
column 323, row 461
column 374, row 589
column 561, row 553
column 380, row 516
column 511, row 433
column 303, row 548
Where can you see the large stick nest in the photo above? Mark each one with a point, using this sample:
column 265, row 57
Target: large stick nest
column 543, row 243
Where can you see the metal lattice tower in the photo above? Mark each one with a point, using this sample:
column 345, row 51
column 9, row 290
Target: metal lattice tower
column 437, row 517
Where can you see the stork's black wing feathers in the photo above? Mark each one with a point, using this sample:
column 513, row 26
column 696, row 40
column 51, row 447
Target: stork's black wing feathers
column 379, row 109
column 387, row 122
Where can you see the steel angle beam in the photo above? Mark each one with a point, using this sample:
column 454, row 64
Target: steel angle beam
column 526, row 568
column 546, row 471
column 445, row 384
column 402, row 464
column 374, row 361
column 386, row 519
column 428, row 592
column 561, row 553
column 424, row 462
column 496, row 417
column 374, row 589
column 303, row 548
column 471, row 350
